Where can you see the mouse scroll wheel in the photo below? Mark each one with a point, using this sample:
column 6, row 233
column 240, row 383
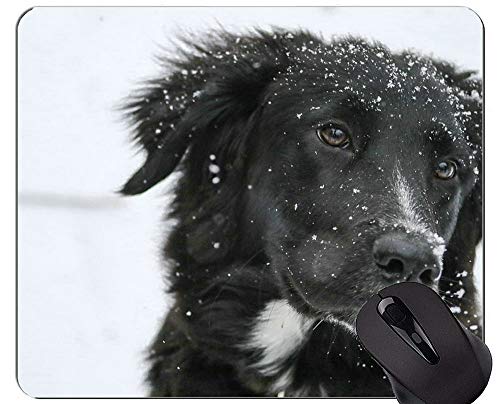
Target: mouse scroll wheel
column 395, row 313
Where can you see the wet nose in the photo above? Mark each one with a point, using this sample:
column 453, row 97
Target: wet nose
column 406, row 258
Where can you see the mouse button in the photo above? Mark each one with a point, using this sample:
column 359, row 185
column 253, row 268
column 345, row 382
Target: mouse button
column 396, row 314
column 456, row 369
column 393, row 310
column 367, row 320
column 386, row 346
column 416, row 338
column 422, row 302
column 370, row 326
column 386, row 301
column 436, row 321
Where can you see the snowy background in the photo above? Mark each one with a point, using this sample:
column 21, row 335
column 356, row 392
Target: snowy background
column 90, row 281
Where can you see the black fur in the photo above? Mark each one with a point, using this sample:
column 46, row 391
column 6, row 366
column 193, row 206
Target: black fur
column 285, row 211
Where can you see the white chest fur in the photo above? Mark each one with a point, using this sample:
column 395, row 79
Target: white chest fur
column 278, row 332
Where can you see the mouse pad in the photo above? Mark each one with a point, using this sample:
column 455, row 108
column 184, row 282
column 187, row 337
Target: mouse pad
column 208, row 196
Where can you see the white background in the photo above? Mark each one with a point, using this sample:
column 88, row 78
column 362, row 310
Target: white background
column 134, row 228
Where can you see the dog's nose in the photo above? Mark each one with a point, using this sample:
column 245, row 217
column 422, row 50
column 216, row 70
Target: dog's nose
column 402, row 257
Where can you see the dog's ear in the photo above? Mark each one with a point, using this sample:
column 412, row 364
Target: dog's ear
column 210, row 85
column 470, row 95
column 461, row 250
column 155, row 125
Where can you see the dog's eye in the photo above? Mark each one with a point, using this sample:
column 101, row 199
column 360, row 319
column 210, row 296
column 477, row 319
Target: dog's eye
column 446, row 170
column 333, row 135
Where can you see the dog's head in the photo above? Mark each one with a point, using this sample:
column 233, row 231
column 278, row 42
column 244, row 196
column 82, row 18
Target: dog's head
column 347, row 166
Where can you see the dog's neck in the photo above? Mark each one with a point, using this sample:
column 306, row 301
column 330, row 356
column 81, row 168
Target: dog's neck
column 241, row 318
column 285, row 343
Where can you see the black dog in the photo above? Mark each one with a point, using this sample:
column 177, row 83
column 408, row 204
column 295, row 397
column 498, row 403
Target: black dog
column 314, row 173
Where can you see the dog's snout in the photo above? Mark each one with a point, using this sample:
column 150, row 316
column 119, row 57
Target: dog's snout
column 402, row 257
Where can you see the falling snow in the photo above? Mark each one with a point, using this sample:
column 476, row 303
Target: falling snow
column 214, row 168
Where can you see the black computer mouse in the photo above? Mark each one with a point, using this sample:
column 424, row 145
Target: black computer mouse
column 428, row 356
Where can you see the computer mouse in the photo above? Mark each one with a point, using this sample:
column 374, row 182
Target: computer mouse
column 428, row 356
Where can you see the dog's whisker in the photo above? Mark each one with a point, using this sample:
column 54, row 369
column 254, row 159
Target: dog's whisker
column 332, row 340
column 244, row 265
column 318, row 324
